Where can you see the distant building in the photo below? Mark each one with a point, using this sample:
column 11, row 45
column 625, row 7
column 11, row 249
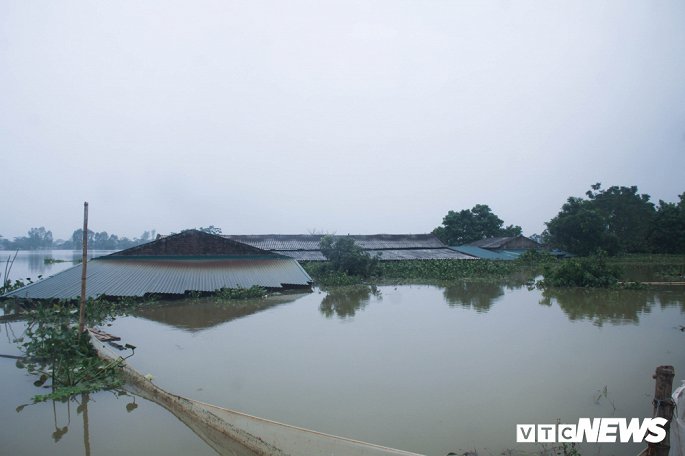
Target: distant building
column 390, row 247
column 506, row 243
column 174, row 265
column 498, row 248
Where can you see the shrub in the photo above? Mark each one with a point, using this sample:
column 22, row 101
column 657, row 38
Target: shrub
column 593, row 271
column 345, row 256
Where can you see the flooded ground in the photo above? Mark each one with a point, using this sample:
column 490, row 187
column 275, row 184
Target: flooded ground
column 430, row 369
column 32, row 264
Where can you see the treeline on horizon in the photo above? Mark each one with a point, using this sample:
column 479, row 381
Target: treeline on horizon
column 41, row 239
column 616, row 220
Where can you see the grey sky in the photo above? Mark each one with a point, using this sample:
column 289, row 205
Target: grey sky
column 353, row 117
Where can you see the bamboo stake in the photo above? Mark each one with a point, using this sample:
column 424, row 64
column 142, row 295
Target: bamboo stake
column 84, row 262
column 663, row 407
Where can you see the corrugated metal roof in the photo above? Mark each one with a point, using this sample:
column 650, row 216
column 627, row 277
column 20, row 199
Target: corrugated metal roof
column 509, row 243
column 191, row 243
column 491, row 243
column 281, row 242
column 420, row 254
column 137, row 277
column 484, row 253
column 387, row 254
column 304, row 255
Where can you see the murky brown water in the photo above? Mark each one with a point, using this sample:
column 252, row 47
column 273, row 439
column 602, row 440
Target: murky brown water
column 422, row 368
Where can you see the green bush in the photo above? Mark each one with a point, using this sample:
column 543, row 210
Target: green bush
column 593, row 271
column 345, row 256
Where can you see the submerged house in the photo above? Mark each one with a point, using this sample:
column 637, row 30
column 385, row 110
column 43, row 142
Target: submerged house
column 191, row 261
column 389, row 247
column 498, row 248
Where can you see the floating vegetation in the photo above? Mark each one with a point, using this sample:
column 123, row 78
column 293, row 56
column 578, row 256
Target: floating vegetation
column 447, row 269
column 241, row 293
column 50, row 260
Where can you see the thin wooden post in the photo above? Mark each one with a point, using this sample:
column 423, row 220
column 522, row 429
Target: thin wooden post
column 84, row 262
column 663, row 407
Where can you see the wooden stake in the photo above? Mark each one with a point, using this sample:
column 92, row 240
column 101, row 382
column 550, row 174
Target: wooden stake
column 663, row 407
column 84, row 262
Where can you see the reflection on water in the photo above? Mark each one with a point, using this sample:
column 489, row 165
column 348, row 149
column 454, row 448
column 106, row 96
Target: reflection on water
column 102, row 423
column 616, row 307
column 202, row 313
column 478, row 296
column 346, row 302
column 431, row 369
column 30, row 264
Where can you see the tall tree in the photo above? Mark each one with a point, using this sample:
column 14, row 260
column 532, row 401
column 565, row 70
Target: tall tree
column 629, row 215
column 77, row 238
column 668, row 233
column 38, row 238
column 473, row 224
column 616, row 220
column 580, row 228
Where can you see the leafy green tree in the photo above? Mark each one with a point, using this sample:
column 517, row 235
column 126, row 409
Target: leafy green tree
column 346, row 256
column 668, row 233
column 616, row 220
column 629, row 215
column 471, row 225
column 581, row 229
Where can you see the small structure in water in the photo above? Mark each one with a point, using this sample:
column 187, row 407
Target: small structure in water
column 191, row 261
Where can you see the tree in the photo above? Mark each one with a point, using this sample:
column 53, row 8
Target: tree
column 346, row 256
column 616, row 220
column 147, row 236
column 629, row 215
column 471, row 225
column 668, row 232
column 77, row 238
column 38, row 238
column 211, row 229
column 581, row 229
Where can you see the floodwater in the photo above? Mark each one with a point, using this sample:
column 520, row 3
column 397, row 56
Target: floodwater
column 424, row 368
column 31, row 264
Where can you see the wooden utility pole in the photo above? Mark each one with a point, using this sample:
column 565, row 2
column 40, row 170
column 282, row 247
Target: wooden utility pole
column 84, row 262
column 663, row 407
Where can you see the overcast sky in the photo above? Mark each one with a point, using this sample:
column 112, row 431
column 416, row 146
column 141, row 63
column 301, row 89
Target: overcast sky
column 339, row 116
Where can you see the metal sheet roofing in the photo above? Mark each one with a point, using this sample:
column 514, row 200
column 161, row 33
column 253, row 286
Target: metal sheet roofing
column 420, row 254
column 388, row 254
column 136, row 277
column 280, row 242
column 491, row 243
column 484, row 253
